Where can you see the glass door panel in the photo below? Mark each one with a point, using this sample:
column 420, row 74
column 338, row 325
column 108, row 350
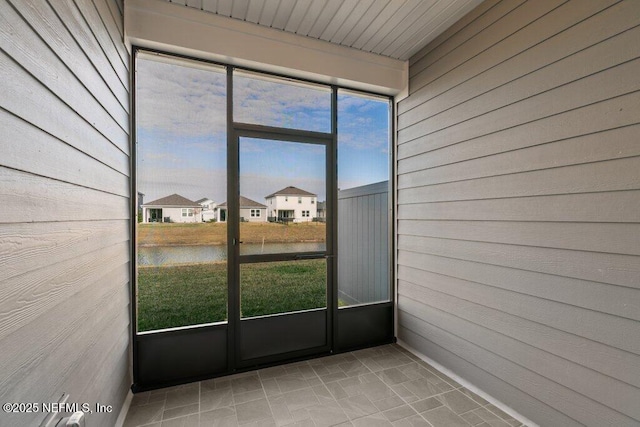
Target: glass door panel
column 283, row 259
column 282, row 286
column 282, row 197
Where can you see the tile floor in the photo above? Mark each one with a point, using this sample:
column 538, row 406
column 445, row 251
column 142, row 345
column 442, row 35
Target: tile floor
column 381, row 386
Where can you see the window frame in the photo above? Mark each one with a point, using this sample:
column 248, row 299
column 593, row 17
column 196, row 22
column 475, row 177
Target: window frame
column 138, row 337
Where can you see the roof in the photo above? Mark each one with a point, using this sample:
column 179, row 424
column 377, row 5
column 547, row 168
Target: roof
column 174, row 200
column 245, row 203
column 204, row 199
column 291, row 191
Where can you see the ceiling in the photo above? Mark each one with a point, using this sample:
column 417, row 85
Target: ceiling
column 393, row 28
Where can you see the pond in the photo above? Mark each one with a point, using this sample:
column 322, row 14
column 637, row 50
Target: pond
column 165, row 255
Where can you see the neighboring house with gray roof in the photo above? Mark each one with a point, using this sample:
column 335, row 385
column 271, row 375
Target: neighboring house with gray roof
column 292, row 204
column 173, row 208
column 250, row 211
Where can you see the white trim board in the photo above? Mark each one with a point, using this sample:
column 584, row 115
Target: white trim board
column 469, row 386
column 122, row 416
column 183, row 30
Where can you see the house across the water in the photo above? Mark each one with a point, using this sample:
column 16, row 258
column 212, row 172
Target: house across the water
column 250, row 211
column 173, row 208
column 292, row 204
column 208, row 209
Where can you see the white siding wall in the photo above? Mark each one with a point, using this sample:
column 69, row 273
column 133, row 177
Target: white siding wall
column 519, row 207
column 64, row 205
column 175, row 215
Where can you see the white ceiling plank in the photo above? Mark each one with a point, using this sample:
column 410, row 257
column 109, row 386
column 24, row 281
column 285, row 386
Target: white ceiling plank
column 210, row 5
column 299, row 11
column 310, row 18
column 352, row 19
column 340, row 16
column 285, row 9
column 224, row 7
column 393, row 28
column 388, row 11
column 325, row 16
column 424, row 25
column 269, row 12
column 405, row 25
column 239, row 9
column 254, row 10
column 364, row 23
column 421, row 40
column 392, row 23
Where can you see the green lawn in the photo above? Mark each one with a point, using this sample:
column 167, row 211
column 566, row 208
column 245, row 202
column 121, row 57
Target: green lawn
column 193, row 294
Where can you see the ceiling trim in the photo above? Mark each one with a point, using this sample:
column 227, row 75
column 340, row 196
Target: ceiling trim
column 187, row 31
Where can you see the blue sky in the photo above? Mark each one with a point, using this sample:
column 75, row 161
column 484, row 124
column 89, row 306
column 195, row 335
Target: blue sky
column 181, row 134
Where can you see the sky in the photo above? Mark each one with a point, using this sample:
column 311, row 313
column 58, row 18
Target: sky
column 182, row 144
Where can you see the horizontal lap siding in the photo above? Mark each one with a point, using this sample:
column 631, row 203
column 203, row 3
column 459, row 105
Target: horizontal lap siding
column 519, row 207
column 64, row 205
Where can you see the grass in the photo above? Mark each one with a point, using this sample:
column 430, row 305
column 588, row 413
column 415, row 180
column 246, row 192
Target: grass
column 185, row 295
column 162, row 234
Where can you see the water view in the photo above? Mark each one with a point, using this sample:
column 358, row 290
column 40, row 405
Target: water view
column 167, row 255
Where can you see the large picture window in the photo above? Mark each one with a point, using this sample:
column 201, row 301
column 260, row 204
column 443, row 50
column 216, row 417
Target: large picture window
column 181, row 174
column 257, row 205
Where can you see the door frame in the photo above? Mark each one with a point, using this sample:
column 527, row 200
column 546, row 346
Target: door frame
column 327, row 140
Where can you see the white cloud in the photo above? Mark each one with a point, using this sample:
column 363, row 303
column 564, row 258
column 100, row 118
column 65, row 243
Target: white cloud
column 178, row 101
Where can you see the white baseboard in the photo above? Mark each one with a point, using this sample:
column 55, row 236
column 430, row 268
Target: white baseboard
column 125, row 409
column 469, row 386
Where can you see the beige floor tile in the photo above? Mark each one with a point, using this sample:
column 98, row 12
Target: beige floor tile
column 139, row 415
column 300, row 399
column 214, row 384
column 423, row 388
column 271, row 387
column 246, row 384
column 357, row 406
column 140, row 399
column 253, row 411
column 472, row 418
column 183, row 396
column 181, row 411
column 216, row 399
column 376, row 420
column 426, row 404
column 379, row 386
column 249, row 396
column 291, row 383
column 399, row 413
column 325, row 416
column 414, row 421
column 192, row 420
column 474, row 396
column 389, row 403
column 444, row 417
column 457, row 402
column 222, row 417
column 490, row 417
column 393, row 376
